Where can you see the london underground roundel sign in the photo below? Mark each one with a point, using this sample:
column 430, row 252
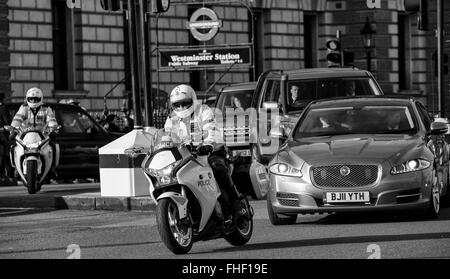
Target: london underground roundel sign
column 204, row 24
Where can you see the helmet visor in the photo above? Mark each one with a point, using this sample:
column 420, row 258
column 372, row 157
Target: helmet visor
column 34, row 99
column 182, row 105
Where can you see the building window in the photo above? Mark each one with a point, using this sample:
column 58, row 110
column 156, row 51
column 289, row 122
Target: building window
column 310, row 32
column 404, row 51
column 63, row 46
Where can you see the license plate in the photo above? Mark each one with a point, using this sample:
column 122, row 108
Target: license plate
column 348, row 197
column 242, row 153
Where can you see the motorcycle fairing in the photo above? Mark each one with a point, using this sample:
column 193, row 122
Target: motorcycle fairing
column 20, row 156
column 179, row 200
column 198, row 176
column 259, row 179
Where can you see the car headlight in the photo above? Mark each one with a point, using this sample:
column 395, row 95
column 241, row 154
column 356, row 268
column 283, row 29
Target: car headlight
column 285, row 169
column 164, row 175
column 410, row 166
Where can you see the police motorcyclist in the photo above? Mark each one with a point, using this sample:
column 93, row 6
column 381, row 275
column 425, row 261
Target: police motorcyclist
column 196, row 123
column 35, row 115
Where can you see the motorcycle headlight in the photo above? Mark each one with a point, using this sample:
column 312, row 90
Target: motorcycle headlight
column 164, row 175
column 410, row 166
column 34, row 145
column 285, row 169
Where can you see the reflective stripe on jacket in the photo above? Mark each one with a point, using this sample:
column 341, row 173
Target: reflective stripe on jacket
column 200, row 128
column 26, row 118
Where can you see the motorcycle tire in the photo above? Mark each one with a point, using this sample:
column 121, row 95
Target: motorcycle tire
column 32, row 183
column 243, row 232
column 165, row 210
column 241, row 235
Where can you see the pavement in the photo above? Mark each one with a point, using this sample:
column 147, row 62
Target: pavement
column 71, row 196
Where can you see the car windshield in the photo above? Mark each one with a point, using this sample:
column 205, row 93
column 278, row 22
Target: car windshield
column 302, row 92
column 239, row 99
column 75, row 122
column 356, row 120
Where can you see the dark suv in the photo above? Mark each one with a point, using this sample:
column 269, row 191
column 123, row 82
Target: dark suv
column 275, row 92
column 79, row 139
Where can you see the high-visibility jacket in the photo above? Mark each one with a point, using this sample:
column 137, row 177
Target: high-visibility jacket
column 26, row 118
column 201, row 127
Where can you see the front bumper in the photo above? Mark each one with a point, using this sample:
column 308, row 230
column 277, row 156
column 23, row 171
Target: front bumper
column 292, row 195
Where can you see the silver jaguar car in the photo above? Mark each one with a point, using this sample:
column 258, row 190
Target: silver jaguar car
column 360, row 154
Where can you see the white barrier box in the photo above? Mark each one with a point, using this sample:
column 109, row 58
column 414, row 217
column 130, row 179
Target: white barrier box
column 120, row 165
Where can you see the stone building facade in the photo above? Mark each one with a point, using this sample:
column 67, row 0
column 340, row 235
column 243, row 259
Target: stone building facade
column 80, row 52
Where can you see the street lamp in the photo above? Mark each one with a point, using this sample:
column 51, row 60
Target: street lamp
column 367, row 37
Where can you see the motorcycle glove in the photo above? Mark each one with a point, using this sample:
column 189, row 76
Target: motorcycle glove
column 204, row 149
column 12, row 135
column 52, row 135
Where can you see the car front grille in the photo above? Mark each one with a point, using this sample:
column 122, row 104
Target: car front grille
column 345, row 176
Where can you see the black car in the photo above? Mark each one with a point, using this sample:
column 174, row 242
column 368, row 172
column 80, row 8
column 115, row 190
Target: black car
column 79, row 139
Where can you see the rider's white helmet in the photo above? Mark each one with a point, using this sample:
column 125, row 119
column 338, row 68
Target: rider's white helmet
column 182, row 100
column 34, row 97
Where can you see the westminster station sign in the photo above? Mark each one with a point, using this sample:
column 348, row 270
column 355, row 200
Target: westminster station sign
column 203, row 58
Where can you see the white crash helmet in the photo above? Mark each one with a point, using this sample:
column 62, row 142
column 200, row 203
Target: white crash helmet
column 182, row 100
column 34, row 97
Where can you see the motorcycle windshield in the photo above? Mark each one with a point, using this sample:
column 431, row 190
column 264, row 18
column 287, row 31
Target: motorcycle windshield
column 32, row 140
column 165, row 139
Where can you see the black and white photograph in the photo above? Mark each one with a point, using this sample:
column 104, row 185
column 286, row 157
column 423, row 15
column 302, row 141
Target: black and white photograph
column 219, row 137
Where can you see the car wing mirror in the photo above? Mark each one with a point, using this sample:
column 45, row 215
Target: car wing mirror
column 271, row 105
column 278, row 132
column 439, row 128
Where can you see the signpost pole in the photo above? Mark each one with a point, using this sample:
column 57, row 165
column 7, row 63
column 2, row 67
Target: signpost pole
column 440, row 57
column 135, row 88
column 341, row 49
column 145, row 62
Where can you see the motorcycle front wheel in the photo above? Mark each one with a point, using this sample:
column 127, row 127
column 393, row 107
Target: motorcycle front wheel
column 32, row 183
column 177, row 236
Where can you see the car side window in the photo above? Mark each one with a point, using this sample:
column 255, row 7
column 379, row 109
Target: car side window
column 74, row 122
column 424, row 116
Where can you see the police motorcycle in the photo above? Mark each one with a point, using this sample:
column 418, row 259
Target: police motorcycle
column 190, row 205
column 32, row 156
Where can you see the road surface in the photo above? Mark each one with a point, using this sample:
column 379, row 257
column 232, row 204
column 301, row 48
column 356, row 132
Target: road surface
column 30, row 233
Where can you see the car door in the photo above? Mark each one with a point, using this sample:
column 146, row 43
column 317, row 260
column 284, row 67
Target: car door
column 267, row 146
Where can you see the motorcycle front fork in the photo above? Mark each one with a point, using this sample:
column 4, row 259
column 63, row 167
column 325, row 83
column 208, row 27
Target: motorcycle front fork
column 188, row 220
